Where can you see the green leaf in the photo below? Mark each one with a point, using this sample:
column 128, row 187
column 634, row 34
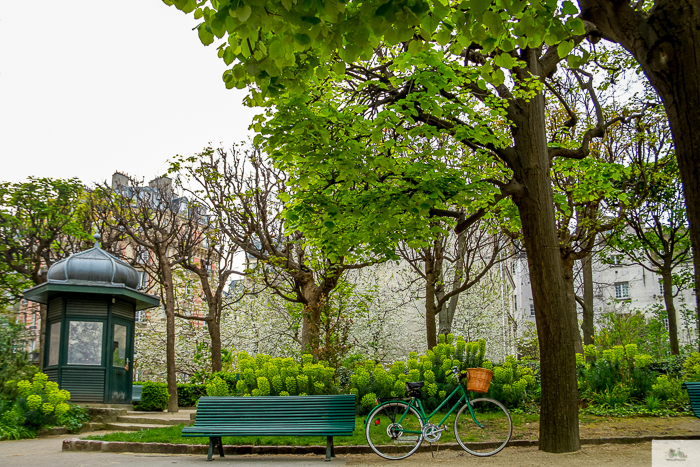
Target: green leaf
column 244, row 13
column 568, row 8
column 415, row 47
column 443, row 37
column 565, row 48
column 339, row 68
column 577, row 26
column 302, row 39
column 228, row 55
column 504, row 60
column 205, row 34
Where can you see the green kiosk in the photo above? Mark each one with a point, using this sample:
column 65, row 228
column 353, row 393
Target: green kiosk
column 92, row 300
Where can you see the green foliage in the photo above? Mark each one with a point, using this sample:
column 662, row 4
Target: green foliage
column 40, row 402
column 263, row 375
column 217, row 387
column 41, row 218
column 513, row 384
column 74, row 418
column 154, row 397
column 14, row 361
column 648, row 334
column 12, row 422
column 615, row 377
column 670, row 391
column 189, row 394
column 691, row 367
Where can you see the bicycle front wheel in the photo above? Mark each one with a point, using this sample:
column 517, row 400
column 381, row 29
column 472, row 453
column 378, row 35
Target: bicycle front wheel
column 394, row 430
column 493, row 434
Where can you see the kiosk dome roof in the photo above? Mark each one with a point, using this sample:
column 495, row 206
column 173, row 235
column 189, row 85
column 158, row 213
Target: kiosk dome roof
column 93, row 266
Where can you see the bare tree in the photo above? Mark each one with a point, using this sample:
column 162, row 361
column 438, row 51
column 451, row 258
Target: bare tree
column 247, row 198
column 155, row 221
column 450, row 265
column 210, row 258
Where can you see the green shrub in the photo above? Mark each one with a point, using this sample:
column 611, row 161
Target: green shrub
column 670, row 391
column 189, row 394
column 230, row 378
column 263, row 375
column 74, row 418
column 154, row 397
column 217, row 387
column 691, row 367
column 617, row 366
column 513, row 384
column 40, row 402
column 14, row 362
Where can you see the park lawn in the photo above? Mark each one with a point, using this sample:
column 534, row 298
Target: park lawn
column 172, row 435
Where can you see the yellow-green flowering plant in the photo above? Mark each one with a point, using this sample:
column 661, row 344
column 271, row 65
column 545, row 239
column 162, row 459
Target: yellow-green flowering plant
column 42, row 402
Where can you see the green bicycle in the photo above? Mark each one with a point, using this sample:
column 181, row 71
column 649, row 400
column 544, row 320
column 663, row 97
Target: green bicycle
column 395, row 429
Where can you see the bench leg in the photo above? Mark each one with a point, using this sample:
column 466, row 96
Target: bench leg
column 330, row 451
column 211, row 449
column 221, row 447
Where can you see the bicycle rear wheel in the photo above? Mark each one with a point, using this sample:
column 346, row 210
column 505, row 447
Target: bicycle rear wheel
column 493, row 434
column 394, row 430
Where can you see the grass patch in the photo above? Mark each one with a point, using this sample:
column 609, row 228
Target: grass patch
column 172, row 435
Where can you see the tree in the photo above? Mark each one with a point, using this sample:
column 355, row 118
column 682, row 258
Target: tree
column 155, row 222
column 246, row 196
column 353, row 85
column 208, row 256
column 664, row 37
column 42, row 221
column 591, row 194
column 451, row 265
column 657, row 238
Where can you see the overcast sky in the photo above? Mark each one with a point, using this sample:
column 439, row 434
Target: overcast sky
column 88, row 87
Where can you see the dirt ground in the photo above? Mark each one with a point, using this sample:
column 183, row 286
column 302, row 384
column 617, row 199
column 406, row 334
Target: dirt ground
column 622, row 455
column 601, row 427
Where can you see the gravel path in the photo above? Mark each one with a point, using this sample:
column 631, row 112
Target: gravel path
column 47, row 452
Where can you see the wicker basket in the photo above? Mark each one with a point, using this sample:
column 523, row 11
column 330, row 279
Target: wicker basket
column 479, row 379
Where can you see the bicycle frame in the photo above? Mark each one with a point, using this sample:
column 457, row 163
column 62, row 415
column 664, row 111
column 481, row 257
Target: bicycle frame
column 464, row 398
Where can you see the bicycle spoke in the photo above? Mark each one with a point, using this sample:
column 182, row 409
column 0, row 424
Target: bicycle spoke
column 390, row 435
column 493, row 434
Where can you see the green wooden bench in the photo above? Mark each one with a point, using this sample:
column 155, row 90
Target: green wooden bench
column 136, row 393
column 693, row 389
column 273, row 416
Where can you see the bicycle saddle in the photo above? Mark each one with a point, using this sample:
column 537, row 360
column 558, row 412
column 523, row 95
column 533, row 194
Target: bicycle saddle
column 414, row 389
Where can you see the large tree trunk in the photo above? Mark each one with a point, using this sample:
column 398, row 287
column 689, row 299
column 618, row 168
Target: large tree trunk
column 667, row 279
column 567, row 266
column 311, row 319
column 667, row 45
column 559, row 429
column 170, row 335
column 588, row 326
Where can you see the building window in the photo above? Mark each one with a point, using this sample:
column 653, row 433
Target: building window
column 532, row 310
column 515, row 302
column 661, row 286
column 85, row 343
column 666, row 323
column 143, row 280
column 54, row 343
column 617, row 260
column 622, row 290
